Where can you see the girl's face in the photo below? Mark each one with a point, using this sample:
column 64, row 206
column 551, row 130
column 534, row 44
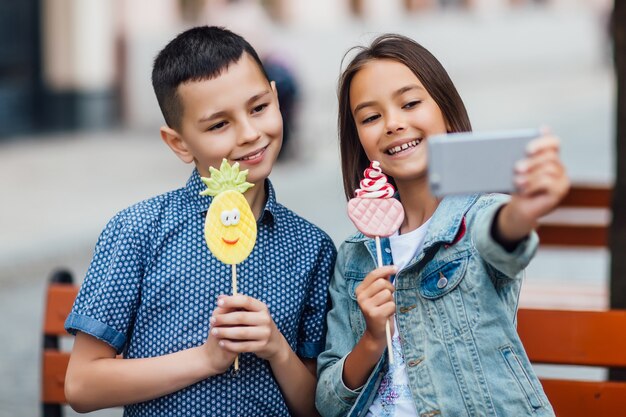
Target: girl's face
column 394, row 115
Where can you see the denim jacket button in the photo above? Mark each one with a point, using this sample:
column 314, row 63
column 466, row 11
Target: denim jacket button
column 443, row 281
column 407, row 309
column 414, row 362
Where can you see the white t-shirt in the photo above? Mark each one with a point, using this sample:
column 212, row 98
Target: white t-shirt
column 394, row 398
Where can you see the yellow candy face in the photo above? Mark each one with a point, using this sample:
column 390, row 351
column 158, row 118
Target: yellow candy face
column 230, row 227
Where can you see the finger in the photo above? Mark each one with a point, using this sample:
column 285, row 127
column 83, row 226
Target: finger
column 379, row 298
column 542, row 144
column 548, row 178
column 242, row 346
column 382, row 272
column 374, row 288
column 241, row 318
column 242, row 333
column 536, row 161
column 241, row 302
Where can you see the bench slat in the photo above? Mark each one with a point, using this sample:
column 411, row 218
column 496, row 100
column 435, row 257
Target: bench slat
column 568, row 337
column 54, row 366
column 573, row 235
column 584, row 399
column 598, row 196
column 58, row 305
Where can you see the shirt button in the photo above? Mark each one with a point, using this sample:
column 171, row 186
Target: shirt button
column 443, row 281
column 387, row 250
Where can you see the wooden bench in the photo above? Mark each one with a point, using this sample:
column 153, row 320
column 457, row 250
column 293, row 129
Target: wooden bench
column 583, row 338
column 60, row 296
column 589, row 338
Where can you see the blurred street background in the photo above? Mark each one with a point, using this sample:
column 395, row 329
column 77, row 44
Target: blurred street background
column 79, row 123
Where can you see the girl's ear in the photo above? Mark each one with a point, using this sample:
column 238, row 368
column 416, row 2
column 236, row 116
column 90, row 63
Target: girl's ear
column 176, row 143
column 275, row 91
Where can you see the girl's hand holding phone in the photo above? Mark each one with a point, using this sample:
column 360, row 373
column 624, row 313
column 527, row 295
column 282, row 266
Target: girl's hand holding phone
column 541, row 181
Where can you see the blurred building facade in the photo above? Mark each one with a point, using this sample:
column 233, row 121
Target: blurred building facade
column 85, row 64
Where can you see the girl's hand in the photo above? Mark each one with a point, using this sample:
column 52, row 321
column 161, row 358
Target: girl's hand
column 219, row 358
column 244, row 324
column 375, row 298
column 542, row 183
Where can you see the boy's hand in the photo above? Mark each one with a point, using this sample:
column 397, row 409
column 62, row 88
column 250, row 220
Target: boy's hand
column 244, row 324
column 542, row 183
column 219, row 358
column 375, row 298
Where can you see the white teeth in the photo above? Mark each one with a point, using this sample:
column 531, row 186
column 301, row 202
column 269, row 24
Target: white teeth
column 404, row 146
column 247, row 158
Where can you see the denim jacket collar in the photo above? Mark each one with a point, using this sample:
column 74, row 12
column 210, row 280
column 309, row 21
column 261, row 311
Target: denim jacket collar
column 445, row 222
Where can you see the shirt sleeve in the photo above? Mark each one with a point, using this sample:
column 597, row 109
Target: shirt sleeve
column 107, row 301
column 312, row 329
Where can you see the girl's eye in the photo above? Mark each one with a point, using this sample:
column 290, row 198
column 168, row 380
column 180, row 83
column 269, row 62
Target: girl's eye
column 234, row 216
column 370, row 119
column 411, row 104
column 218, row 126
column 259, row 108
column 225, row 218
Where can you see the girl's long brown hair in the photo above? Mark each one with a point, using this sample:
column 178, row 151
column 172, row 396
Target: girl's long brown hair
column 425, row 67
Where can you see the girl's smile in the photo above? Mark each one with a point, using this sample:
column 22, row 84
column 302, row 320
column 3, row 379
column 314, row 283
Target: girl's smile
column 394, row 114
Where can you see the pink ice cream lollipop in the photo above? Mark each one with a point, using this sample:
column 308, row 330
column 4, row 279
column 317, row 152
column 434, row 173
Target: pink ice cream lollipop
column 374, row 211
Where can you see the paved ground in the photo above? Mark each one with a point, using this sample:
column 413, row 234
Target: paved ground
column 513, row 70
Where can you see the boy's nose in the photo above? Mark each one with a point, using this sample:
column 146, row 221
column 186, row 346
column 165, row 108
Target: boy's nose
column 248, row 133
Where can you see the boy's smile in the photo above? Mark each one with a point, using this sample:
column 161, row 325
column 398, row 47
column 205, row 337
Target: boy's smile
column 234, row 116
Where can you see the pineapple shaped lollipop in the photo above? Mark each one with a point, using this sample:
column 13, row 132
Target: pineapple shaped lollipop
column 230, row 226
column 376, row 213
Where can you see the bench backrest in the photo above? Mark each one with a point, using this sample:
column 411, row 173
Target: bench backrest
column 590, row 338
column 565, row 227
column 60, row 295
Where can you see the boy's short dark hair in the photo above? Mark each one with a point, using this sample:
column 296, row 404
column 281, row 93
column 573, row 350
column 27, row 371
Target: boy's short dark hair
column 200, row 53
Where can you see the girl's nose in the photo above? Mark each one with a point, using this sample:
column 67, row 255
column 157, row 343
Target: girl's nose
column 394, row 127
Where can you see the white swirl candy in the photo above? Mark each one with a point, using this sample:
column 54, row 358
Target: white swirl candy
column 375, row 184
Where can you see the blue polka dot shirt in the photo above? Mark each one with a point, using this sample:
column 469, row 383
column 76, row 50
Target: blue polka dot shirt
column 153, row 283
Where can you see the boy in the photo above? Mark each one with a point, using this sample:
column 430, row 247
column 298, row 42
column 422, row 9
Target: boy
column 153, row 290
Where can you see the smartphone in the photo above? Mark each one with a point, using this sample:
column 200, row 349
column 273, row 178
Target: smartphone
column 476, row 162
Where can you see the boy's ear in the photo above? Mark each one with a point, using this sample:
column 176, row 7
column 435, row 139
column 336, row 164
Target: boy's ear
column 275, row 91
column 174, row 140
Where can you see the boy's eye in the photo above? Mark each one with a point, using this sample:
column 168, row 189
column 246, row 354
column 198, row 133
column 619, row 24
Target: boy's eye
column 411, row 104
column 218, row 126
column 259, row 108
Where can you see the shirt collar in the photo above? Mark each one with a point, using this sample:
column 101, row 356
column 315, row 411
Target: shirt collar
column 201, row 203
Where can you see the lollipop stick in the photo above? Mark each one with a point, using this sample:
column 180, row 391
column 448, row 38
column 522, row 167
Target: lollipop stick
column 379, row 257
column 235, row 293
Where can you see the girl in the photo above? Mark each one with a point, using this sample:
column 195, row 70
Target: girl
column 453, row 288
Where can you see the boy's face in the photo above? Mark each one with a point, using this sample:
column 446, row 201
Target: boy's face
column 234, row 116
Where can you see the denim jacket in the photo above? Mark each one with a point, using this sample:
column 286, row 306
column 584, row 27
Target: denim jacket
column 456, row 305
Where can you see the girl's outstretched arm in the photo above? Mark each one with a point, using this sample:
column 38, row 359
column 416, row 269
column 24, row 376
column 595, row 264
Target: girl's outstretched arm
column 542, row 183
column 244, row 324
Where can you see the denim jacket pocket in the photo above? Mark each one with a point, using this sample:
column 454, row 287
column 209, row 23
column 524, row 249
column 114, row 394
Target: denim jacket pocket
column 451, row 303
column 521, row 376
column 357, row 321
